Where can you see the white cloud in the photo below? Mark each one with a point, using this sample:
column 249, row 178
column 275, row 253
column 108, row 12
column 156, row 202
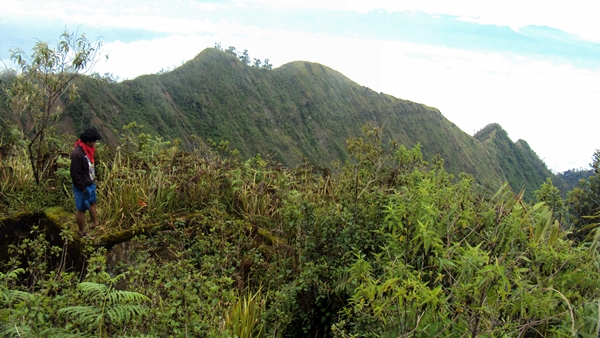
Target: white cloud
column 159, row 16
column 129, row 60
column 578, row 17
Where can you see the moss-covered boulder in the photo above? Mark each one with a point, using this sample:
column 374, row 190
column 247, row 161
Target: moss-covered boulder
column 57, row 227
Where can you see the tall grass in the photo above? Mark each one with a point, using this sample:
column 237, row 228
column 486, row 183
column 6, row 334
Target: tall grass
column 153, row 180
column 15, row 174
column 19, row 191
column 244, row 318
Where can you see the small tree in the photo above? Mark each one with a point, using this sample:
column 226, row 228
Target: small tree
column 267, row 65
column 244, row 57
column 40, row 80
column 231, row 50
column 550, row 194
column 584, row 201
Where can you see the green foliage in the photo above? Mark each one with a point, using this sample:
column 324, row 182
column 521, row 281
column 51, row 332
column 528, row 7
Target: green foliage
column 519, row 164
column 40, row 82
column 569, row 180
column 584, row 202
column 106, row 307
column 388, row 245
column 245, row 58
column 30, row 297
column 489, row 275
column 550, row 194
column 19, row 191
column 243, row 320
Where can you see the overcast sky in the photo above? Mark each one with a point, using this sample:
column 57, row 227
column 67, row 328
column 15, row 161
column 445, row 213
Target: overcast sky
column 531, row 66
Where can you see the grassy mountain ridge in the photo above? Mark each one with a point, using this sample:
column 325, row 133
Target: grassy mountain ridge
column 299, row 110
column 519, row 164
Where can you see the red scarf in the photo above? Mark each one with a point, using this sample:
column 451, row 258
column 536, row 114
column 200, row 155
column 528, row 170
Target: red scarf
column 89, row 151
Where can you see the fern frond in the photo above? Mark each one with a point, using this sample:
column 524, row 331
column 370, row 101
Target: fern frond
column 16, row 331
column 13, row 296
column 123, row 314
column 81, row 314
column 12, row 275
column 95, row 291
column 59, row 333
column 106, row 305
column 121, row 296
column 117, row 278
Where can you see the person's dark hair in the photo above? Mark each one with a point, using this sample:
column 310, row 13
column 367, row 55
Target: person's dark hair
column 90, row 135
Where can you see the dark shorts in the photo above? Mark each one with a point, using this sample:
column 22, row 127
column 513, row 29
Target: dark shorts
column 83, row 203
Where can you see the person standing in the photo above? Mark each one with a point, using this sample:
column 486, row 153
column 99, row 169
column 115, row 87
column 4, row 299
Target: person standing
column 82, row 175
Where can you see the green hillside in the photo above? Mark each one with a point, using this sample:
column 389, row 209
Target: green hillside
column 519, row 164
column 571, row 178
column 298, row 111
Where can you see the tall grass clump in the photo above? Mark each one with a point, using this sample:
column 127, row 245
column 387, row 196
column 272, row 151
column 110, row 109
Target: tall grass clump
column 243, row 320
column 19, row 190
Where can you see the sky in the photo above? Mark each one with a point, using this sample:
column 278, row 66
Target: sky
column 531, row 66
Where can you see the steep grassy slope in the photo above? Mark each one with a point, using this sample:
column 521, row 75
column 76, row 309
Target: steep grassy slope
column 306, row 109
column 299, row 110
column 520, row 165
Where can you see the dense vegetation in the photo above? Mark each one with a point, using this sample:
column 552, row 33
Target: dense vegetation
column 391, row 245
column 570, row 178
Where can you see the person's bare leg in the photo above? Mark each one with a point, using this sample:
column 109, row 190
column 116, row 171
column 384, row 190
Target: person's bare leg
column 80, row 217
column 94, row 215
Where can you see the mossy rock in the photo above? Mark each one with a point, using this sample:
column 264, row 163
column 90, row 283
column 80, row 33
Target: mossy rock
column 109, row 240
column 57, row 227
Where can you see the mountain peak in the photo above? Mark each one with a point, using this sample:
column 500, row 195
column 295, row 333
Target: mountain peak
column 489, row 131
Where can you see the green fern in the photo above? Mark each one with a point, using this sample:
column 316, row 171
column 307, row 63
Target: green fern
column 106, row 306
column 9, row 321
